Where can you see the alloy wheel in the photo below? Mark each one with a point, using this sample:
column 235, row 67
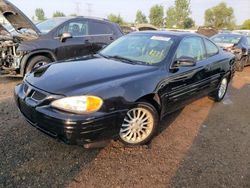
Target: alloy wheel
column 222, row 88
column 39, row 64
column 137, row 126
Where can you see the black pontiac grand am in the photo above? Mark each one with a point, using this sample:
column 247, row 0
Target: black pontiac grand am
column 124, row 90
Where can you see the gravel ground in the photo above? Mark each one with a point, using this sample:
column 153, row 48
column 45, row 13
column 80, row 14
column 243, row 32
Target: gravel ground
column 206, row 144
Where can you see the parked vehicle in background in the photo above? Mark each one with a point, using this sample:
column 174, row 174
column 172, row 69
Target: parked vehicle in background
column 237, row 44
column 207, row 31
column 125, row 90
column 52, row 40
column 138, row 27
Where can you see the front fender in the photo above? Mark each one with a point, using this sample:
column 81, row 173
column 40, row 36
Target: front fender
column 29, row 55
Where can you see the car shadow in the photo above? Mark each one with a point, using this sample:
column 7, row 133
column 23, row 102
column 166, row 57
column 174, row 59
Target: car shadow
column 168, row 120
column 219, row 154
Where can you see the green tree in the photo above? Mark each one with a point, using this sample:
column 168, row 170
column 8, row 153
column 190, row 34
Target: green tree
column 179, row 15
column 140, row 18
column 170, row 20
column 188, row 23
column 156, row 15
column 116, row 19
column 58, row 14
column 40, row 14
column 246, row 24
column 73, row 14
column 220, row 17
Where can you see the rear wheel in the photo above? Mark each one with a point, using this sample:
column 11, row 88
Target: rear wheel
column 36, row 62
column 139, row 125
column 220, row 93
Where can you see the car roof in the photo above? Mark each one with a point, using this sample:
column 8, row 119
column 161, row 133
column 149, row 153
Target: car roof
column 170, row 33
column 66, row 18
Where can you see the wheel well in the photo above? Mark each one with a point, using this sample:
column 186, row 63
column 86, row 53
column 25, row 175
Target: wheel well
column 46, row 54
column 153, row 99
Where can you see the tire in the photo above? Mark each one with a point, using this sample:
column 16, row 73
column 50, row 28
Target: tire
column 139, row 132
column 220, row 93
column 35, row 61
column 241, row 64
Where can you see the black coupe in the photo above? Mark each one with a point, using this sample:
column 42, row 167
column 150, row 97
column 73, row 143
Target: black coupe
column 125, row 90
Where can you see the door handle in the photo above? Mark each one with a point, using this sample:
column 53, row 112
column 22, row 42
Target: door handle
column 111, row 38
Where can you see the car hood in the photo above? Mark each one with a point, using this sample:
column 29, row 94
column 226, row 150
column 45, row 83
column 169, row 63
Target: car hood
column 66, row 77
column 16, row 17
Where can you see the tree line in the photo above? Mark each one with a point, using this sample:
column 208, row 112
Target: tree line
column 177, row 16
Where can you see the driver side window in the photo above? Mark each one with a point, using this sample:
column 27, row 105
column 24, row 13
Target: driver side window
column 75, row 28
column 191, row 47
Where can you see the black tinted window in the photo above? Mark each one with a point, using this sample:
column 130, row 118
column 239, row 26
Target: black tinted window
column 191, row 47
column 212, row 49
column 97, row 28
column 76, row 28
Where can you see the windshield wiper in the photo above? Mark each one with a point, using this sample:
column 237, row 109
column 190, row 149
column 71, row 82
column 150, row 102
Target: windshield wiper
column 105, row 56
column 126, row 59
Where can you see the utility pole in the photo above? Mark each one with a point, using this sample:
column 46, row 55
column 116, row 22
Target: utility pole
column 78, row 9
column 89, row 9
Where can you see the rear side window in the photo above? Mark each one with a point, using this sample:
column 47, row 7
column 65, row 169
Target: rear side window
column 99, row 28
column 212, row 49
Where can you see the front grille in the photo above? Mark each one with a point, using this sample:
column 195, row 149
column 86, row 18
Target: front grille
column 25, row 88
column 33, row 93
column 38, row 96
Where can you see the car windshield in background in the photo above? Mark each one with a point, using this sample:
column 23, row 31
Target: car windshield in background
column 47, row 25
column 232, row 39
column 143, row 49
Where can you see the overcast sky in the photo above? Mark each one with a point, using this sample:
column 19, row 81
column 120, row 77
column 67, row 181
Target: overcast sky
column 127, row 8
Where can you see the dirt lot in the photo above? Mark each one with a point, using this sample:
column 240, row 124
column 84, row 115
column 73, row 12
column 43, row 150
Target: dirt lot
column 206, row 144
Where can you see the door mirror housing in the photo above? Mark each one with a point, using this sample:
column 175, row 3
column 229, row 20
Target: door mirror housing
column 65, row 36
column 185, row 62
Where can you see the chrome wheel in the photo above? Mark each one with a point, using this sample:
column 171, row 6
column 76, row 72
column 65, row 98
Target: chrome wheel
column 137, row 126
column 39, row 64
column 223, row 88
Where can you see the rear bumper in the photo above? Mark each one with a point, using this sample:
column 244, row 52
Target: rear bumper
column 70, row 128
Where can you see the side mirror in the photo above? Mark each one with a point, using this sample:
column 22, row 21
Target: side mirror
column 65, row 36
column 185, row 62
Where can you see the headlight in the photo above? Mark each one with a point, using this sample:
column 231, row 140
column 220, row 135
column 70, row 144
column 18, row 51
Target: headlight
column 78, row 104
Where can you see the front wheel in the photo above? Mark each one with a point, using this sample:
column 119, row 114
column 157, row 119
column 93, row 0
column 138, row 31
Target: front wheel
column 36, row 62
column 139, row 125
column 220, row 93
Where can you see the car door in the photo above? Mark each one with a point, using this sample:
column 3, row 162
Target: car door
column 101, row 34
column 185, row 84
column 78, row 44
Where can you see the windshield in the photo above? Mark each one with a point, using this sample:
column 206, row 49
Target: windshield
column 146, row 49
column 232, row 39
column 47, row 25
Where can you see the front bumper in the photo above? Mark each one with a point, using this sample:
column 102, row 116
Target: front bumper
column 70, row 128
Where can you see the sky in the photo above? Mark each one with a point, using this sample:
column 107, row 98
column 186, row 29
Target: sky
column 127, row 8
